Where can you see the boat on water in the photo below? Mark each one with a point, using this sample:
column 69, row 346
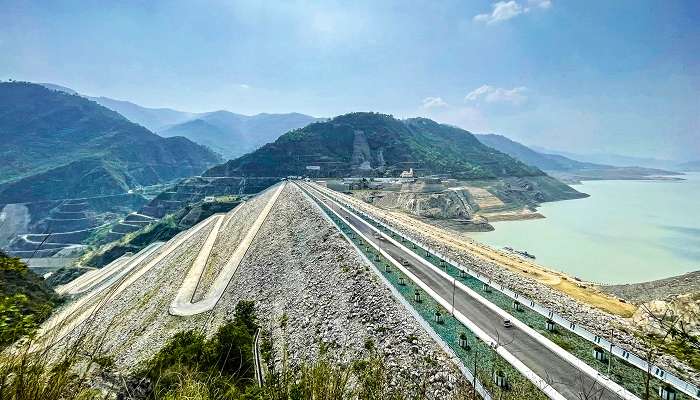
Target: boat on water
column 521, row 253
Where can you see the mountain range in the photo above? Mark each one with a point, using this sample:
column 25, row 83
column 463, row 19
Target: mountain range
column 233, row 135
column 568, row 169
column 59, row 144
column 548, row 162
column 371, row 144
column 229, row 134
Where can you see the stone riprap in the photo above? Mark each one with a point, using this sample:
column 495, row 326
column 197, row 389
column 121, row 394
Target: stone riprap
column 298, row 269
column 592, row 319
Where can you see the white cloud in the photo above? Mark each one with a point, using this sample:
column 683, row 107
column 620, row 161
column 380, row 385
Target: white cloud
column 505, row 10
column 434, row 102
column 243, row 86
column 490, row 94
column 502, row 11
column 540, row 3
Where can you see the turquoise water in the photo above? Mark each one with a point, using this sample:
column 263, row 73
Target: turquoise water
column 626, row 231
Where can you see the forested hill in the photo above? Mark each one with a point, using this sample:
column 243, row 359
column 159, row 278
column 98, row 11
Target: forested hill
column 371, row 144
column 48, row 132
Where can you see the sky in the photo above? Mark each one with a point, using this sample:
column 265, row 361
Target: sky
column 582, row 76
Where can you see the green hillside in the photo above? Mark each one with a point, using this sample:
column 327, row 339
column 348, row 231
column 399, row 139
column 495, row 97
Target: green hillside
column 371, row 144
column 54, row 133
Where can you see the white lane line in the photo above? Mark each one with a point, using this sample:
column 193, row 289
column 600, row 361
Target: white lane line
column 570, row 358
column 182, row 304
column 409, row 308
column 536, row 380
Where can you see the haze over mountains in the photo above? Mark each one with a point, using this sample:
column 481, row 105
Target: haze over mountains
column 229, row 134
column 233, row 135
column 82, row 148
column 569, row 169
column 371, row 144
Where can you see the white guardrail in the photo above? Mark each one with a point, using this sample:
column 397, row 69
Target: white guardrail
column 659, row 373
column 480, row 388
column 536, row 380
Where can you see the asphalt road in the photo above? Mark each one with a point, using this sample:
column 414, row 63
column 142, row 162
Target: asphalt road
column 564, row 377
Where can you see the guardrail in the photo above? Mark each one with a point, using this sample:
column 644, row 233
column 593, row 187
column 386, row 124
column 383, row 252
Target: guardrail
column 520, row 367
column 480, row 388
column 629, row 357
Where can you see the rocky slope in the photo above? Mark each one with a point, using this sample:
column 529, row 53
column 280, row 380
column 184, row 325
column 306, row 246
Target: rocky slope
column 595, row 320
column 299, row 270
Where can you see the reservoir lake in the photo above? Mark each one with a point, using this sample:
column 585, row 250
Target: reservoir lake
column 625, row 232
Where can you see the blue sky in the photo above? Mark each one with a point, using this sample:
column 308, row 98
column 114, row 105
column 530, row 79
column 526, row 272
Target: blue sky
column 587, row 76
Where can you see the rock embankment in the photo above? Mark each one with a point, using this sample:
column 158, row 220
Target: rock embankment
column 661, row 289
column 593, row 319
column 313, row 293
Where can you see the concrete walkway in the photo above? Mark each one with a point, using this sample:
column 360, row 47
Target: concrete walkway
column 182, row 305
column 75, row 313
column 116, row 269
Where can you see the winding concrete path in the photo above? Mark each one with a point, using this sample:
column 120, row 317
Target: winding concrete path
column 79, row 311
column 115, row 270
column 182, row 305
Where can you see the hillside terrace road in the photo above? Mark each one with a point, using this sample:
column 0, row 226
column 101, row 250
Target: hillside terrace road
column 564, row 377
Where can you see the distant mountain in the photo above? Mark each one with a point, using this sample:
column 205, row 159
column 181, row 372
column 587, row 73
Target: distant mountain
column 155, row 119
column 233, row 135
column 57, row 144
column 690, row 166
column 227, row 133
column 567, row 169
column 370, row 144
column 616, row 160
column 549, row 162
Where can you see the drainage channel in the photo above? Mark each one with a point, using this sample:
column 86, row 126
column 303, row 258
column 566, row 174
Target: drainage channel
column 599, row 357
column 497, row 375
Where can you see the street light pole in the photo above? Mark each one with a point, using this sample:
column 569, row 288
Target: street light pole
column 454, row 286
column 612, row 332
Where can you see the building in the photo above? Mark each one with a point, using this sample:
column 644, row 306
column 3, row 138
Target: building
column 408, row 174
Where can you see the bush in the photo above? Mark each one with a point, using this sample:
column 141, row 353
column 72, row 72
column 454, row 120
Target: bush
column 221, row 367
column 25, row 300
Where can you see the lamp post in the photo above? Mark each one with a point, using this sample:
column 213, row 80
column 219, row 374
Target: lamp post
column 454, row 286
column 612, row 333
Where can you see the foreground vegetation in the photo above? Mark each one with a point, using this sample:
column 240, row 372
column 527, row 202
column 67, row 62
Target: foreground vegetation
column 25, row 300
column 192, row 366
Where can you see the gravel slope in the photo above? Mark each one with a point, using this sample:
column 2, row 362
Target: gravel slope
column 299, row 268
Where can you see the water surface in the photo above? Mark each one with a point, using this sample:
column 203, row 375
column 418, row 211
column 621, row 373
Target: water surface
column 626, row 231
